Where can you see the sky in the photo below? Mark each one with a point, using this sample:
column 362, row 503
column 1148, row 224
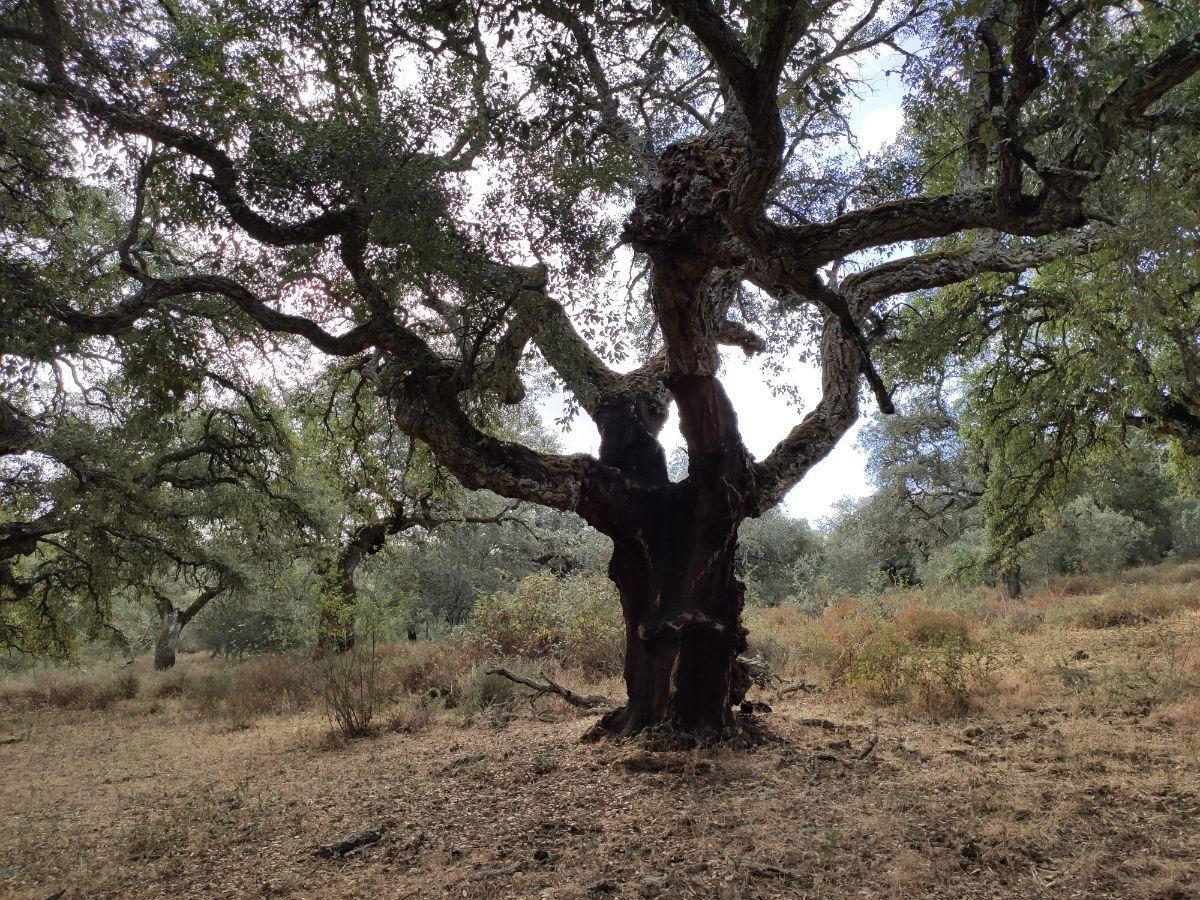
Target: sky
column 765, row 418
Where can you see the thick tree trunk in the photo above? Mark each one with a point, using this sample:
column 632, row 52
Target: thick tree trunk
column 338, row 617
column 682, row 605
column 170, row 624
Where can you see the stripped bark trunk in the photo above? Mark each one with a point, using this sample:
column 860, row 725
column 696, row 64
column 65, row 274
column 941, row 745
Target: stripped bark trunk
column 673, row 565
column 682, row 605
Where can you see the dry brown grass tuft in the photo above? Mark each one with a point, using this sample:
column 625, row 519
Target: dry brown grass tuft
column 97, row 688
column 1134, row 604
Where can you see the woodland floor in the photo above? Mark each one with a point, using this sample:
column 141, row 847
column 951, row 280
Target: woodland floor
column 1036, row 794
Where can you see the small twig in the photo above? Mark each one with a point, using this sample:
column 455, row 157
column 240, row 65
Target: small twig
column 866, row 749
column 549, row 686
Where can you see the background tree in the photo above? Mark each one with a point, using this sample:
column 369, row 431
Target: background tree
column 366, row 482
column 98, row 506
column 310, row 164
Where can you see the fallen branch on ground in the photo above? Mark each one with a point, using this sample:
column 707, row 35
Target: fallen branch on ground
column 804, row 686
column 760, row 671
column 354, row 841
column 549, row 686
column 865, row 750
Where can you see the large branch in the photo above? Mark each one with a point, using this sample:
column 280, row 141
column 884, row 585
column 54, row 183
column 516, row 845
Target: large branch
column 1004, row 208
column 932, row 270
column 1140, row 90
column 224, row 179
column 551, row 330
column 781, row 282
column 155, row 291
column 425, row 386
column 427, row 408
column 810, row 441
column 808, row 247
column 723, row 45
column 617, row 125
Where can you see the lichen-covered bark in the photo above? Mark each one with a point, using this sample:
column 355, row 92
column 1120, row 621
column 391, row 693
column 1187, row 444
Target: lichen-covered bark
column 167, row 640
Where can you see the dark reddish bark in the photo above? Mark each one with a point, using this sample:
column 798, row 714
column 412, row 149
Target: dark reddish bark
column 682, row 605
column 673, row 563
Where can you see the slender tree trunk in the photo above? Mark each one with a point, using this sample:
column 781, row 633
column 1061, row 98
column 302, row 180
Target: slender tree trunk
column 338, row 614
column 1012, row 582
column 170, row 624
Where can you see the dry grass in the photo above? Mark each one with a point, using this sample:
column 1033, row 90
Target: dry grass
column 1074, row 773
column 96, row 689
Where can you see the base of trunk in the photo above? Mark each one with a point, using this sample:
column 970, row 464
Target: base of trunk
column 717, row 715
column 745, row 730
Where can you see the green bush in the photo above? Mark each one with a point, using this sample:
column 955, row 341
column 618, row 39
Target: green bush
column 943, row 673
column 575, row 619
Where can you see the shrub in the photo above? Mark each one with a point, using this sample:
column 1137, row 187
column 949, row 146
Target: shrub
column 1134, row 605
column 128, row 685
column 408, row 715
column 1026, row 621
column 477, row 691
column 933, row 627
column 890, row 653
column 241, row 692
column 356, row 686
column 575, row 619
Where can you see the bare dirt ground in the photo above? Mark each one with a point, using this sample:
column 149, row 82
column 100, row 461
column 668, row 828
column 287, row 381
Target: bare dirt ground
column 1037, row 794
